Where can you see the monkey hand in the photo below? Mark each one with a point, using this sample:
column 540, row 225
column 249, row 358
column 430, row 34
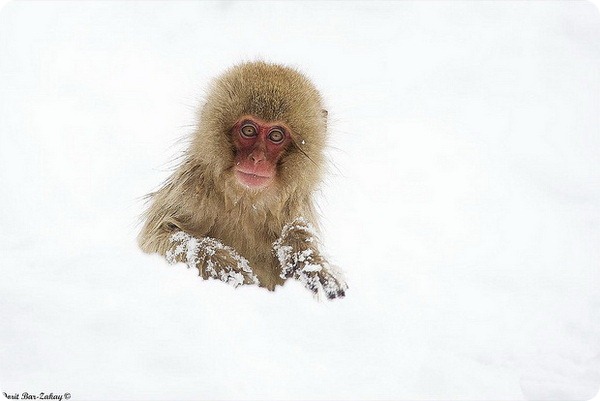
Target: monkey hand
column 212, row 258
column 299, row 258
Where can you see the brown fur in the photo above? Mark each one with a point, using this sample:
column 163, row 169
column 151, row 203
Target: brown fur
column 203, row 198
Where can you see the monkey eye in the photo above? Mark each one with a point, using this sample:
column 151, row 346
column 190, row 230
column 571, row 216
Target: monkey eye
column 276, row 136
column 248, row 131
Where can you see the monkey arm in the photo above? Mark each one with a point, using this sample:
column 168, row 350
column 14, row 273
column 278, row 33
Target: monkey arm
column 299, row 257
column 212, row 258
column 168, row 230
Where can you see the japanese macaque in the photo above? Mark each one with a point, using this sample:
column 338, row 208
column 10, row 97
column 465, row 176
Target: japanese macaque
column 239, row 207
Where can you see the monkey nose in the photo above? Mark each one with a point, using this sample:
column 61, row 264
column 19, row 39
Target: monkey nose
column 257, row 157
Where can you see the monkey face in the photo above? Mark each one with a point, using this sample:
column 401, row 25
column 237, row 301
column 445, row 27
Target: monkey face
column 259, row 145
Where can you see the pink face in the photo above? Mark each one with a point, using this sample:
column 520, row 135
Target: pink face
column 259, row 145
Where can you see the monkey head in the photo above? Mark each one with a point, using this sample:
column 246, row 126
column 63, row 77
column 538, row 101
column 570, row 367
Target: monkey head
column 262, row 131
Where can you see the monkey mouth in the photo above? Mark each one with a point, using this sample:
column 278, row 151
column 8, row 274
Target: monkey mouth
column 252, row 180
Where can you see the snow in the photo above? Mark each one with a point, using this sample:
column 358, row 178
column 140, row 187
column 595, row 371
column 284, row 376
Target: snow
column 462, row 203
column 185, row 248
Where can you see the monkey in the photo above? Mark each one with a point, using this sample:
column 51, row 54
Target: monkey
column 239, row 207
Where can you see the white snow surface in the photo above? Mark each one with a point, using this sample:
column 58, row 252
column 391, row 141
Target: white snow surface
column 462, row 203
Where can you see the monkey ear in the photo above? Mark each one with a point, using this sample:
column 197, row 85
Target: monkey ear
column 324, row 113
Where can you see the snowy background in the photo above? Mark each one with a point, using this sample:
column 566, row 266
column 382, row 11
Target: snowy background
column 463, row 202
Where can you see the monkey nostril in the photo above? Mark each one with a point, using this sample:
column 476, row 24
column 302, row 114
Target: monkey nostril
column 256, row 158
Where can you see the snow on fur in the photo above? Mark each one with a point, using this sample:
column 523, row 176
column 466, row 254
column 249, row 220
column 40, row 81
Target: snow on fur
column 199, row 253
column 320, row 277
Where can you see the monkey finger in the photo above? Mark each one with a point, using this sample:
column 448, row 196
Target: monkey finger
column 331, row 286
